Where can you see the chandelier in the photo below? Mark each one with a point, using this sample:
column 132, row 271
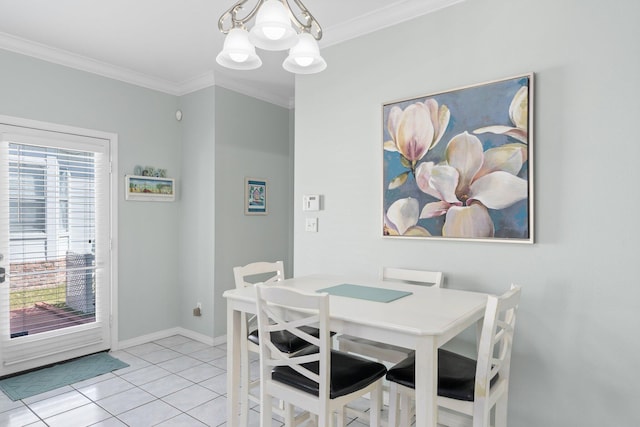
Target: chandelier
column 276, row 27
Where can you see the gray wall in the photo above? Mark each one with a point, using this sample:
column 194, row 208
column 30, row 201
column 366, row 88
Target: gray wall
column 174, row 255
column 148, row 134
column 575, row 356
column 252, row 139
column 225, row 137
column 197, row 210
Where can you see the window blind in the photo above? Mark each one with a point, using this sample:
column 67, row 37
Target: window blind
column 52, row 236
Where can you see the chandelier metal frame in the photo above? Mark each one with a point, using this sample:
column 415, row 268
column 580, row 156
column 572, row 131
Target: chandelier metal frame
column 306, row 23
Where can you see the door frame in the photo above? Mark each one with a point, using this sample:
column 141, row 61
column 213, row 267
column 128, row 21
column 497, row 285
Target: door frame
column 114, row 194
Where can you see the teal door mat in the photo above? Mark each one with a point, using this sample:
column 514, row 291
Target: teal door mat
column 47, row 379
column 365, row 292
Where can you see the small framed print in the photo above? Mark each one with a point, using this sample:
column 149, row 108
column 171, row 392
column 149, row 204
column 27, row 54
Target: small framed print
column 147, row 188
column 255, row 196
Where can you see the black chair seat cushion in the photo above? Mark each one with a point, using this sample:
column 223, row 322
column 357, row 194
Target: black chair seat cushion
column 348, row 374
column 456, row 375
column 285, row 341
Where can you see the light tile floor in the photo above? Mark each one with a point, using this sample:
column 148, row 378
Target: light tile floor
column 175, row 381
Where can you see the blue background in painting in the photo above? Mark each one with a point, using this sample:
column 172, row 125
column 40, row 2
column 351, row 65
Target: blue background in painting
column 470, row 108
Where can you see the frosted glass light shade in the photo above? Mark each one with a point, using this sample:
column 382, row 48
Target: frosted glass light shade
column 238, row 53
column 273, row 30
column 304, row 57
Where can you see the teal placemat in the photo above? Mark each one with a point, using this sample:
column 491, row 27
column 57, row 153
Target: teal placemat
column 365, row 292
column 46, row 379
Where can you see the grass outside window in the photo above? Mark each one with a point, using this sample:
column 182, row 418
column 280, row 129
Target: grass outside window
column 25, row 298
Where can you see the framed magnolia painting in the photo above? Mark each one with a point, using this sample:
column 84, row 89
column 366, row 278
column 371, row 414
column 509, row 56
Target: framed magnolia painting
column 459, row 164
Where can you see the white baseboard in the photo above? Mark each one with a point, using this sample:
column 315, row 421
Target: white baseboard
column 143, row 339
column 220, row 340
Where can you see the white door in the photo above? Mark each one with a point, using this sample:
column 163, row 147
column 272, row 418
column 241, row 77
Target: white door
column 56, row 228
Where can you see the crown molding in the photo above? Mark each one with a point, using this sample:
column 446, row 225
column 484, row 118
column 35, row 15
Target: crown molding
column 254, row 91
column 199, row 82
column 83, row 63
column 392, row 14
column 245, row 88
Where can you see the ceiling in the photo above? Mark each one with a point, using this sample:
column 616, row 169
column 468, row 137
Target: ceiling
column 171, row 45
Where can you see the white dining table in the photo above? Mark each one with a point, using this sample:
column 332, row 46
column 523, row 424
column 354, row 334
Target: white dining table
column 423, row 321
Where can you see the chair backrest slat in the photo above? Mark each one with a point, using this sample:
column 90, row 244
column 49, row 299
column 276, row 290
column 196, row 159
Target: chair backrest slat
column 286, row 309
column 494, row 349
column 265, row 272
column 423, row 277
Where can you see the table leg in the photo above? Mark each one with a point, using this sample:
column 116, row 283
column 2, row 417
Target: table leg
column 426, row 382
column 233, row 366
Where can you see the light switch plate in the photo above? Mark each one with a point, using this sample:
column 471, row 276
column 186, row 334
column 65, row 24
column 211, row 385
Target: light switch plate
column 311, row 225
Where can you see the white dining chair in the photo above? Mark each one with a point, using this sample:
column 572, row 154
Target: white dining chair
column 318, row 379
column 381, row 351
column 417, row 277
column 249, row 275
column 468, row 389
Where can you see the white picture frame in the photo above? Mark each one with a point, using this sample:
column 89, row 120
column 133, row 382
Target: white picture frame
column 150, row 189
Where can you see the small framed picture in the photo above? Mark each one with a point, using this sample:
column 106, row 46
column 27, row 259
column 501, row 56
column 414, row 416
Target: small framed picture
column 255, row 196
column 147, row 188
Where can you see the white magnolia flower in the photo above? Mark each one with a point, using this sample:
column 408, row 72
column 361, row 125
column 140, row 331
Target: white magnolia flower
column 402, row 217
column 471, row 181
column 519, row 115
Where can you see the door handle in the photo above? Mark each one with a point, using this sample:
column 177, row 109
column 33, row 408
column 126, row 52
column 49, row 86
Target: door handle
column 2, row 273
